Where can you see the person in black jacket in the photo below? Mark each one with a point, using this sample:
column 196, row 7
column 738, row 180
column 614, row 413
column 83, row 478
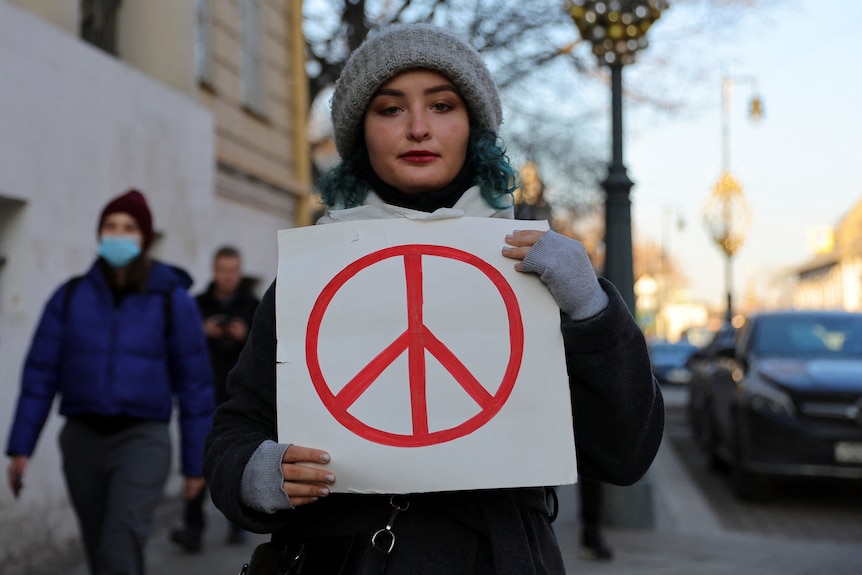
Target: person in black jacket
column 227, row 308
column 416, row 116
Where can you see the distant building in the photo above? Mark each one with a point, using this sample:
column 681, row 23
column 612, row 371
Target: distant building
column 530, row 202
column 667, row 314
column 200, row 104
column 833, row 280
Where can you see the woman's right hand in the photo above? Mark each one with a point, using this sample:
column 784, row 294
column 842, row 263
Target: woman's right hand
column 16, row 470
column 304, row 484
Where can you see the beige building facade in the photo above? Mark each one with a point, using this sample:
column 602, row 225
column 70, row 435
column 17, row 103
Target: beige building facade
column 833, row 280
column 200, row 104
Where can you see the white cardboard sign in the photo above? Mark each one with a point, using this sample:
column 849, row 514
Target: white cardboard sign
column 415, row 354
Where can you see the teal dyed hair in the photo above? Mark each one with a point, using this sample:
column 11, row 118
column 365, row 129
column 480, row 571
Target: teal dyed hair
column 342, row 187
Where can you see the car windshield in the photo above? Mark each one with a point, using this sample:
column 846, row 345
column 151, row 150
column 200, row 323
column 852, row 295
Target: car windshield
column 809, row 336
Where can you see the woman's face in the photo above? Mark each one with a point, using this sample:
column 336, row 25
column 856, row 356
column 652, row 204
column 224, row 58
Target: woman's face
column 121, row 224
column 416, row 131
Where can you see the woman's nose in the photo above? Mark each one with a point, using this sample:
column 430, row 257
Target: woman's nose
column 418, row 127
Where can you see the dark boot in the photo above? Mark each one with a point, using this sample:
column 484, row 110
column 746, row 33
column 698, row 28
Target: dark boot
column 188, row 539
column 236, row 535
column 593, row 546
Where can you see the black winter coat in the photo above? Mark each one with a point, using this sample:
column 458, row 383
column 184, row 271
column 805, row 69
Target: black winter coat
column 619, row 419
column 224, row 352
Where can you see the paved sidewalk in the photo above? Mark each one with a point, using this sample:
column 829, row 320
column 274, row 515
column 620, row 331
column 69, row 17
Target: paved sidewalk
column 687, row 539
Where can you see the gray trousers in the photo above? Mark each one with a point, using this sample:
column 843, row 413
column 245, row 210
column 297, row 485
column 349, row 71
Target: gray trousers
column 115, row 482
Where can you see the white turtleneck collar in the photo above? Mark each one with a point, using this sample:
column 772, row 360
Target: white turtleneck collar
column 470, row 204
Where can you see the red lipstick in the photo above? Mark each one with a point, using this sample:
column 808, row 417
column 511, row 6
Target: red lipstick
column 419, row 156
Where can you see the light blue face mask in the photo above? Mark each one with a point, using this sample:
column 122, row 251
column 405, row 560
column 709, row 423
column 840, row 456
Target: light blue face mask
column 119, row 251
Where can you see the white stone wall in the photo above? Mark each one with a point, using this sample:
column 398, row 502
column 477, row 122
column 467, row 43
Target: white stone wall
column 78, row 127
column 852, row 283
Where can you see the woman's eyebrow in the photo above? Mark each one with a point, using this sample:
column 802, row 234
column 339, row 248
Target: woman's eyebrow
column 388, row 92
column 431, row 90
column 441, row 88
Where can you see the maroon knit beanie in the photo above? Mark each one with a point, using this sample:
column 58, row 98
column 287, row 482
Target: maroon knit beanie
column 133, row 203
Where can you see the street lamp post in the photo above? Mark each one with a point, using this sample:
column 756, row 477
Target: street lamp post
column 726, row 214
column 669, row 218
column 617, row 185
column 617, row 30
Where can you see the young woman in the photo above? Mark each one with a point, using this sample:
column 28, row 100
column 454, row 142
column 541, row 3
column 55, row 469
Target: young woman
column 416, row 115
column 119, row 344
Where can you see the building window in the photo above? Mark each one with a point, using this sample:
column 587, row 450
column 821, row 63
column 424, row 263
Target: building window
column 99, row 24
column 203, row 41
column 251, row 56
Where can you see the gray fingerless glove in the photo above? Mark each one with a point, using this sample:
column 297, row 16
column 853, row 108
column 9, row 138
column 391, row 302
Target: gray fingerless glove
column 262, row 485
column 563, row 265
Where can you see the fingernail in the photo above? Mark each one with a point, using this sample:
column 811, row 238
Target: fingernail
column 324, row 457
column 330, row 477
column 506, row 249
column 509, row 236
column 323, row 491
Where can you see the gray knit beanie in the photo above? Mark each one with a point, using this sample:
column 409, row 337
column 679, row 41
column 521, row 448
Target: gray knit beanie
column 402, row 47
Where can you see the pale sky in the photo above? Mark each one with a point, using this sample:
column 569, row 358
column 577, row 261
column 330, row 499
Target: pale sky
column 800, row 167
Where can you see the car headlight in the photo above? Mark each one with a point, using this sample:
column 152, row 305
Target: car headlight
column 762, row 396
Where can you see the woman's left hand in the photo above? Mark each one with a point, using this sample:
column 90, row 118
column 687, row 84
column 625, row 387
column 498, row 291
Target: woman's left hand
column 564, row 267
column 192, row 487
column 520, row 242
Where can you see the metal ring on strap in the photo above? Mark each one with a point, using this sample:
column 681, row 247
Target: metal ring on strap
column 391, row 540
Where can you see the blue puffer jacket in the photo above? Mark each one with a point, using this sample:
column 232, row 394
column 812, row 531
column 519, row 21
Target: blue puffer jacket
column 123, row 360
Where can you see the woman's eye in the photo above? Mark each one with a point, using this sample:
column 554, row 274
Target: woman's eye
column 441, row 107
column 390, row 110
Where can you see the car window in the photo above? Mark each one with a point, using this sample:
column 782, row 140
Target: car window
column 808, row 336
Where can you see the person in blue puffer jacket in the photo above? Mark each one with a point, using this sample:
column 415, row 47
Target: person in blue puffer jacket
column 119, row 345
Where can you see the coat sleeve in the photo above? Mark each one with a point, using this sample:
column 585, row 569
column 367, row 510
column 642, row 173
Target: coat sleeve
column 40, row 378
column 244, row 421
column 616, row 401
column 191, row 378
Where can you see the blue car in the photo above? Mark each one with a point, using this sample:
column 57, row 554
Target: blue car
column 669, row 361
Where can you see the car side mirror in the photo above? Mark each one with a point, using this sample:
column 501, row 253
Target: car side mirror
column 730, row 353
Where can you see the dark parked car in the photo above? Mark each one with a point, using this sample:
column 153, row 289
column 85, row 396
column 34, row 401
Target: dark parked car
column 781, row 398
column 702, row 365
column 669, row 360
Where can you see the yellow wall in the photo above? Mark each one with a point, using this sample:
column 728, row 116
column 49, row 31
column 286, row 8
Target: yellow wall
column 267, row 147
column 157, row 38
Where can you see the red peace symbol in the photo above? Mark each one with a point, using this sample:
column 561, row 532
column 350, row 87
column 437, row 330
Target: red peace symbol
column 415, row 340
